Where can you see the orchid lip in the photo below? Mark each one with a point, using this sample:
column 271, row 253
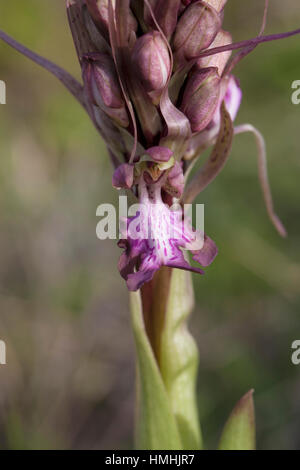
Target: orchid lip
column 158, row 236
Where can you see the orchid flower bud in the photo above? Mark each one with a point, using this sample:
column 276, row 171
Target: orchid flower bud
column 99, row 12
column 196, row 30
column 217, row 60
column 123, row 176
column 231, row 94
column 103, row 87
column 201, row 97
column 166, row 13
column 217, row 4
column 152, row 61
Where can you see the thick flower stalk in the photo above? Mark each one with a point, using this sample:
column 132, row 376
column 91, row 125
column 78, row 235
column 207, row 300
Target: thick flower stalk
column 158, row 84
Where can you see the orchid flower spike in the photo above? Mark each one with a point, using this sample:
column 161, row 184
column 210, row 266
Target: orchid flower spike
column 158, row 86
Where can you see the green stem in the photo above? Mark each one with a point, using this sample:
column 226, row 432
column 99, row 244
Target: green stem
column 167, row 361
column 179, row 359
column 156, row 427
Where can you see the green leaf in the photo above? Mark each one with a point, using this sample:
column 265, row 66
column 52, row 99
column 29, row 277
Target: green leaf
column 239, row 431
column 178, row 359
column 156, row 426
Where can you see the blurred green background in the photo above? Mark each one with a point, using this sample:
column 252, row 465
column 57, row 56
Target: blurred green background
column 69, row 378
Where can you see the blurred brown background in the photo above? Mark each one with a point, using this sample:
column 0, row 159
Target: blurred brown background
column 69, row 378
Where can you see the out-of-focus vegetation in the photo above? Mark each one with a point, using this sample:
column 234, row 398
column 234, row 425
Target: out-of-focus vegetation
column 69, row 380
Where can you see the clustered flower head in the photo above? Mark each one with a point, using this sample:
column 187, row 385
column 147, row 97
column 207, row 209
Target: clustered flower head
column 158, row 86
column 159, row 99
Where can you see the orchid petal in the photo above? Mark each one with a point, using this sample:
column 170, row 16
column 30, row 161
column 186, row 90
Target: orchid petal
column 247, row 43
column 159, row 154
column 80, row 34
column 179, row 129
column 207, row 254
column 263, row 175
column 247, row 50
column 74, row 87
column 216, row 161
column 175, row 181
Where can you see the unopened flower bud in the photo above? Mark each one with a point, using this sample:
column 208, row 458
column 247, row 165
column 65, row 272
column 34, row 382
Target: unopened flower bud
column 196, row 30
column 201, row 97
column 217, row 4
column 123, row 176
column 103, row 87
column 152, row 61
column 166, row 14
column 99, row 11
column 217, row 60
column 231, row 94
